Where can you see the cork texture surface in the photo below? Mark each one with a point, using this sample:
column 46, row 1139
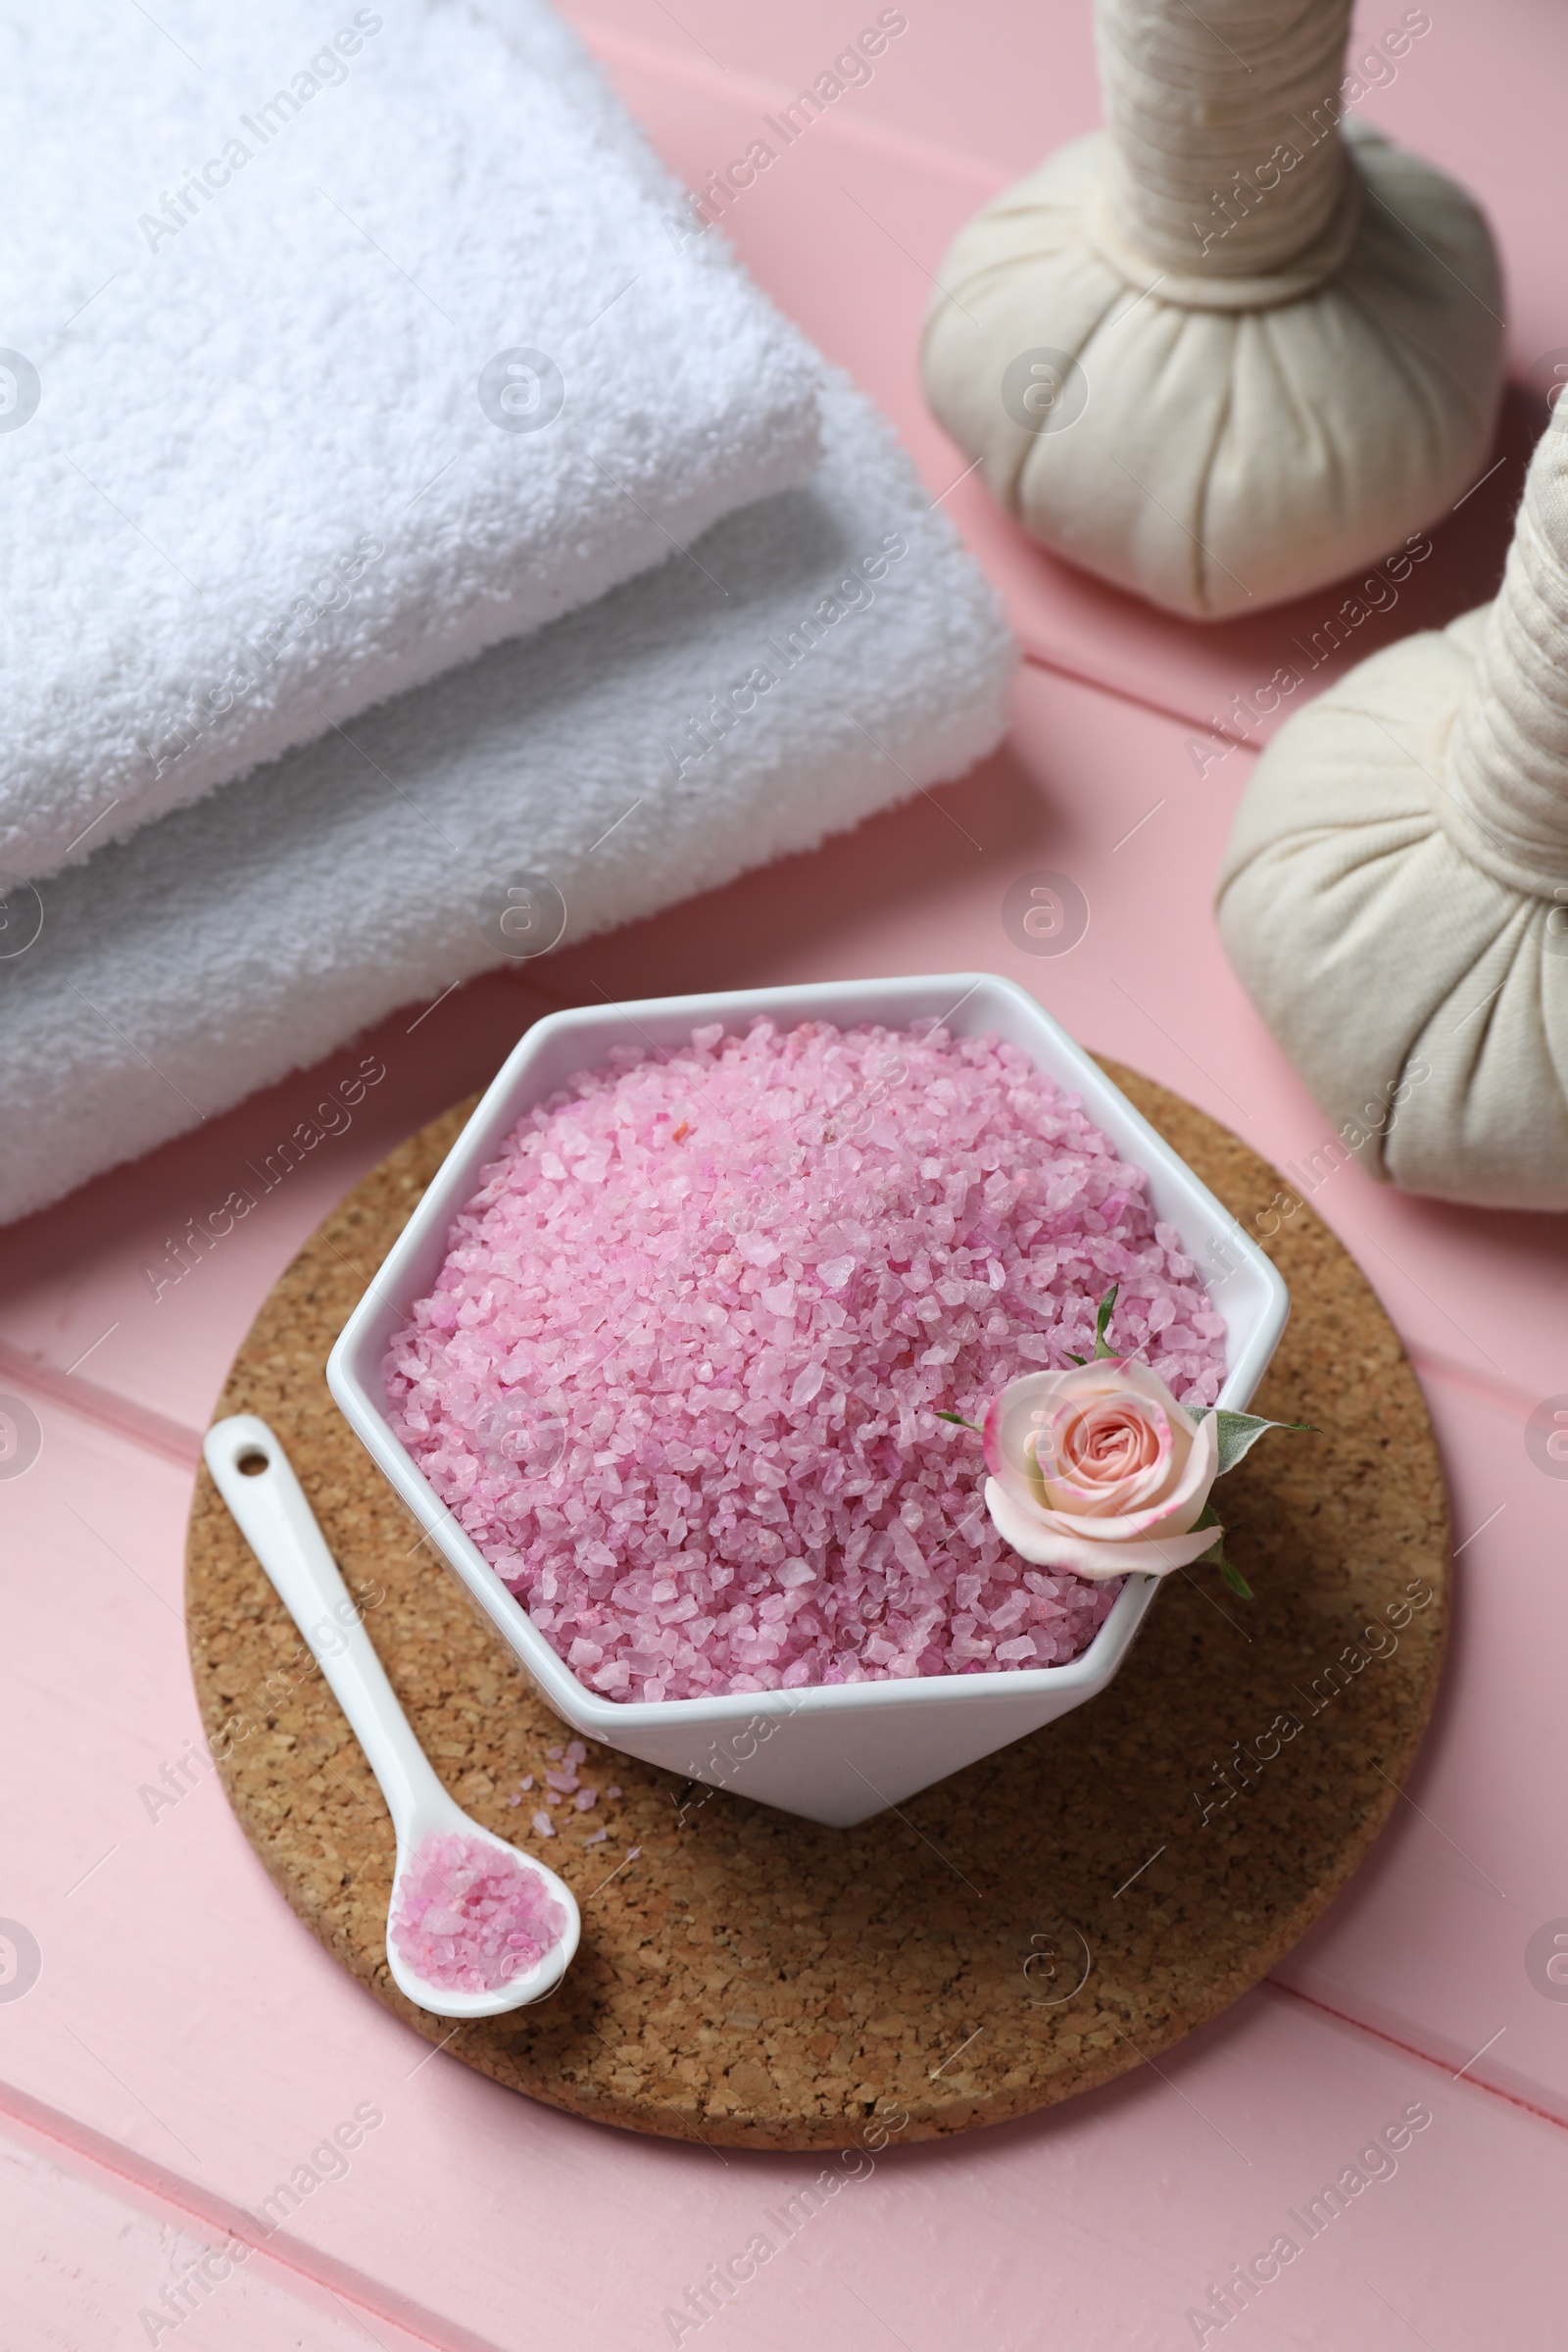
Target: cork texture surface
column 1057, row 1913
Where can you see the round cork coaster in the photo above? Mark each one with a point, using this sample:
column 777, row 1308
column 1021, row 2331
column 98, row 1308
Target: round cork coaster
column 1025, row 1929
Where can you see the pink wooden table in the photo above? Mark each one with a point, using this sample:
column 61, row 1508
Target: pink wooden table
column 185, row 2046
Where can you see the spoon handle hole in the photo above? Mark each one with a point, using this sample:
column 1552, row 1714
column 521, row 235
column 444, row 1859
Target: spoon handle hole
column 253, row 1462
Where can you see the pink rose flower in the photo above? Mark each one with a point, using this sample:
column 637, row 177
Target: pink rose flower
column 1099, row 1470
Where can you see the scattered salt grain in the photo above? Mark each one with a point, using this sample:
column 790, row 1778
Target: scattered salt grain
column 597, row 1839
column 470, row 1918
column 744, row 1338
column 544, row 1827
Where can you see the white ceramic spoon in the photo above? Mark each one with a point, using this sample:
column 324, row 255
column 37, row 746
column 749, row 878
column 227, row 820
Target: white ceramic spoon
column 257, row 1481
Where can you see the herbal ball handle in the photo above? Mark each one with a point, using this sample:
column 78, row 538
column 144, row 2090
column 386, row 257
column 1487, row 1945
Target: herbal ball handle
column 1505, row 801
column 1226, row 159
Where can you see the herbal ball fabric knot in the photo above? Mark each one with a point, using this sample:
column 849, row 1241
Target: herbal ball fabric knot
column 1394, row 893
column 1235, row 344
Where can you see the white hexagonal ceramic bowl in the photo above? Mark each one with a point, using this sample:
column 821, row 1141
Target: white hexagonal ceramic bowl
column 834, row 1754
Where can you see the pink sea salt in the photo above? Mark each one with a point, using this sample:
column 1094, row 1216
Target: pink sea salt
column 470, row 1917
column 721, row 1293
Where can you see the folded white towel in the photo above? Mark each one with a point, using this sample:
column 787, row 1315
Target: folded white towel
column 347, row 342
column 831, row 650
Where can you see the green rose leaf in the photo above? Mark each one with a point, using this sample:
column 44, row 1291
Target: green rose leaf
column 1214, row 1557
column 1239, row 1433
column 1102, row 1346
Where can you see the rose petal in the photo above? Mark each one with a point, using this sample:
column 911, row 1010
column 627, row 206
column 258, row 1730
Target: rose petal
column 1178, row 1508
column 1047, row 1547
column 1161, row 1446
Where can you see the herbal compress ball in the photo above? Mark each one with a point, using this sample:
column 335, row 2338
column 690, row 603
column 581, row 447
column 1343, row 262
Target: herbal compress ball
column 1222, row 353
column 1394, row 893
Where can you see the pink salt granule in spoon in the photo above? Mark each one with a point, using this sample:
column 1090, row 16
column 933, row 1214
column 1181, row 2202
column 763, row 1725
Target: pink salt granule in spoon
column 469, row 1917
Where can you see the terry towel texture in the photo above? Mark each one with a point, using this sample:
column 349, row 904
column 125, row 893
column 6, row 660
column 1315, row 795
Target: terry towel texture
column 346, row 343
column 818, row 657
